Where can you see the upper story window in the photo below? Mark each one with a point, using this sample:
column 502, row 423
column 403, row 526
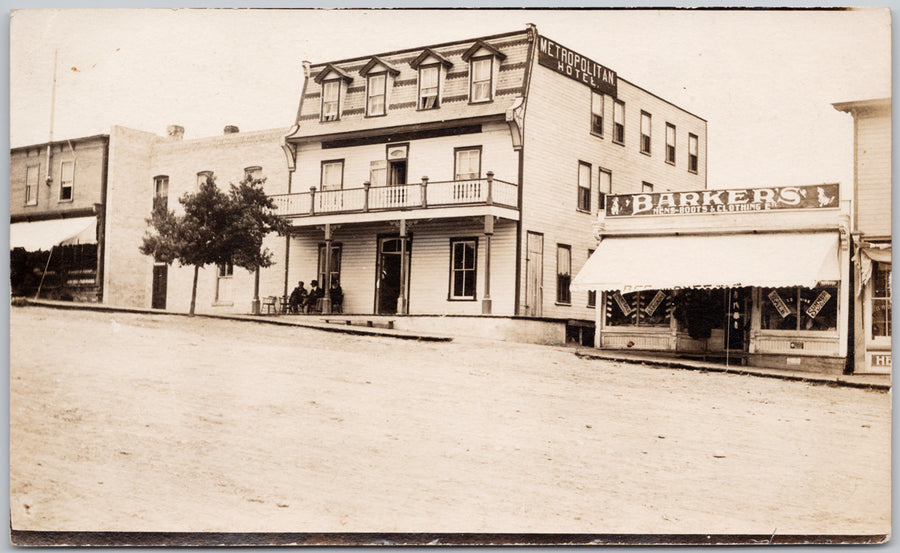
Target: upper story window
column 376, row 94
column 31, row 184
column 160, row 191
column 693, row 154
column 670, row 143
column 646, row 187
column 645, row 133
column 481, row 74
column 604, row 183
column 332, row 175
column 584, row 186
column 202, row 178
column 253, row 173
column 467, row 164
column 619, row 122
column 429, row 86
column 596, row 113
column 331, row 100
column 333, row 81
column 66, row 181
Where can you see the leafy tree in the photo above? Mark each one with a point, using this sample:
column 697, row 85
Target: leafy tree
column 216, row 228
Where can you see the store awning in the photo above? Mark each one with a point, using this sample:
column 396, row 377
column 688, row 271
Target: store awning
column 42, row 235
column 665, row 262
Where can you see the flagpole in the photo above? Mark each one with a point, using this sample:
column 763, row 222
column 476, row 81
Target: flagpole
column 52, row 113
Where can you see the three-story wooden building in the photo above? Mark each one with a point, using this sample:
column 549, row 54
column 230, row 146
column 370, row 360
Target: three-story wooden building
column 463, row 178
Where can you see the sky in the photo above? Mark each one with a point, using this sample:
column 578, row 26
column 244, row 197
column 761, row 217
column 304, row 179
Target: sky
column 763, row 79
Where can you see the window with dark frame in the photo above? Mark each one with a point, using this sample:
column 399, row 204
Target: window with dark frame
column 693, row 153
column 429, row 88
column 563, row 273
column 799, row 309
column 481, row 74
column 161, row 191
column 596, row 113
column 645, row 132
column 336, row 250
column 376, row 93
column 332, row 175
column 225, row 270
column 253, row 173
column 331, row 100
column 203, row 178
column 604, row 184
column 467, row 164
column 881, row 300
column 670, row 143
column 463, row 272
column 646, row 187
column 32, row 173
column 592, row 294
column 66, row 181
column 584, row 186
column 644, row 308
column 619, row 122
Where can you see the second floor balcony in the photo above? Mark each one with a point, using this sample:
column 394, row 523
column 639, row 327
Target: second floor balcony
column 487, row 191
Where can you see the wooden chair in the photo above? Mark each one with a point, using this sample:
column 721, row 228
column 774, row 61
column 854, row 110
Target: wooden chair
column 269, row 305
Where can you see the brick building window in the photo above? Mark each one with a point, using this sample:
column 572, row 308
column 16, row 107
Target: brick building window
column 66, row 181
column 32, row 173
column 203, row 178
column 161, row 191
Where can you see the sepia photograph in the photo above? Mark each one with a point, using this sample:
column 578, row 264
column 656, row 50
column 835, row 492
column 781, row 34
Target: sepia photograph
column 450, row 276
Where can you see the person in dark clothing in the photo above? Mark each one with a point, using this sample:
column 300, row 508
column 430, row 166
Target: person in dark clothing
column 337, row 296
column 314, row 294
column 298, row 298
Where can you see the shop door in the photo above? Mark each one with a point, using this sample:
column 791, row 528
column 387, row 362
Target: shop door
column 737, row 317
column 158, row 295
column 387, row 285
column 534, row 274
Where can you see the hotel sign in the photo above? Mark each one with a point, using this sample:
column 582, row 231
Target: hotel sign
column 577, row 67
column 737, row 200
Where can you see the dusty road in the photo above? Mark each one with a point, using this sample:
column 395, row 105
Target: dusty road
column 156, row 423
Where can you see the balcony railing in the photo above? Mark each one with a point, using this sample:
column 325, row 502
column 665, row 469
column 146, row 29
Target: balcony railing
column 484, row 191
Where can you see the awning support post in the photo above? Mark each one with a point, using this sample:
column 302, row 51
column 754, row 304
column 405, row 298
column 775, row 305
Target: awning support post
column 44, row 273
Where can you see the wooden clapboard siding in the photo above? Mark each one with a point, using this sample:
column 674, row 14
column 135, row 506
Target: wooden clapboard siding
column 429, row 264
column 431, row 157
column 873, row 173
column 557, row 127
column 430, row 267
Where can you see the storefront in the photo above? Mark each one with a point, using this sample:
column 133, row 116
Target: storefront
column 751, row 276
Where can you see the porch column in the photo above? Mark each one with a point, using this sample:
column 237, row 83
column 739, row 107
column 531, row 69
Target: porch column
column 402, row 304
column 326, row 299
column 488, row 232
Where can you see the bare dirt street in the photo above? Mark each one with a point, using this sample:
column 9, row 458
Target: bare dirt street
column 124, row 422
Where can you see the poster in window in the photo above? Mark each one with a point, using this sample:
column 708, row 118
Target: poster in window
column 817, row 305
column 779, row 304
column 655, row 302
column 623, row 305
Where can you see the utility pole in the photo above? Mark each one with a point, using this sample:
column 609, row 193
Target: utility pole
column 52, row 113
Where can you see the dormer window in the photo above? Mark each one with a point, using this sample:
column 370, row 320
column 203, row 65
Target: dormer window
column 376, row 92
column 333, row 81
column 378, row 74
column 429, row 86
column 430, row 66
column 331, row 100
column 481, row 80
column 484, row 63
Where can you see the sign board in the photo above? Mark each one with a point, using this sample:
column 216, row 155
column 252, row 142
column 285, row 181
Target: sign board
column 736, row 200
column 575, row 66
column 879, row 360
column 779, row 304
column 817, row 305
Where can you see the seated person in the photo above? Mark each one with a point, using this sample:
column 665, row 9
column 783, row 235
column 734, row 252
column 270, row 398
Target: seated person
column 337, row 295
column 298, row 298
column 314, row 294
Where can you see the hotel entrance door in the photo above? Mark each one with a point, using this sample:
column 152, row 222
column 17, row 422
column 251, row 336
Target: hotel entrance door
column 387, row 283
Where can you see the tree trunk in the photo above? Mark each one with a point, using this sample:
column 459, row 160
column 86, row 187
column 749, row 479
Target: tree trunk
column 194, row 290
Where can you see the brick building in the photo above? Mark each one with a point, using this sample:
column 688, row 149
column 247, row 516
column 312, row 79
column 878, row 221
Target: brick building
column 462, row 179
